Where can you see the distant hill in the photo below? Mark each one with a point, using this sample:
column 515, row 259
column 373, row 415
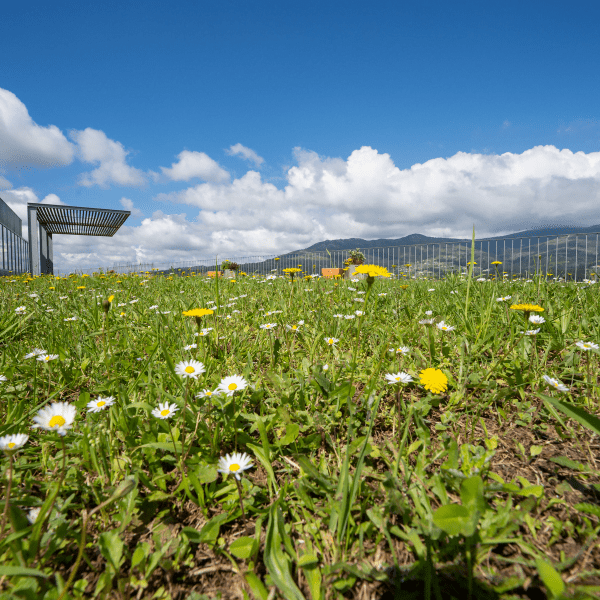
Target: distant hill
column 417, row 238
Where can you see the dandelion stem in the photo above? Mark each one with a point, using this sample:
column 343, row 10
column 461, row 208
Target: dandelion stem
column 239, row 487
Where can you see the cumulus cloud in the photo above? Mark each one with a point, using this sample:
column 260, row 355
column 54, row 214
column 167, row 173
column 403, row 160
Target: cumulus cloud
column 195, row 165
column 245, row 153
column 25, row 143
column 96, row 148
column 127, row 204
column 367, row 196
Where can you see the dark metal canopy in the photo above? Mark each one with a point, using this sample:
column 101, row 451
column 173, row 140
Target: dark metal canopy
column 78, row 220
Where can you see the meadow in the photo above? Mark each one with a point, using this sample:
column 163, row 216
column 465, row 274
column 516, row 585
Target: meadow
column 297, row 437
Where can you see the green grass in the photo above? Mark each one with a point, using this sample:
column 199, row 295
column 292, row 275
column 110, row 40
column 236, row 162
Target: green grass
column 359, row 488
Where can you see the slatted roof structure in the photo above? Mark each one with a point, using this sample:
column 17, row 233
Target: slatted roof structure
column 77, row 220
column 45, row 220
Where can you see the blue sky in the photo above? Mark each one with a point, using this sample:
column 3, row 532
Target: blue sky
column 246, row 127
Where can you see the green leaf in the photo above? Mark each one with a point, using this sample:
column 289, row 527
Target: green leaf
column 551, row 578
column 455, row 519
column 243, row 547
column 471, row 493
column 168, row 446
column 210, row 531
column 563, row 461
column 207, row 473
column 260, row 456
column 276, row 561
column 111, row 547
column 590, row 509
column 291, row 433
column 9, row 571
column 590, row 421
column 307, row 560
column 535, row 450
column 256, row 586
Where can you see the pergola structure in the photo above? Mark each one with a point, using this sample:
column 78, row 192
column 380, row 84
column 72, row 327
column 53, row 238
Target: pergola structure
column 47, row 219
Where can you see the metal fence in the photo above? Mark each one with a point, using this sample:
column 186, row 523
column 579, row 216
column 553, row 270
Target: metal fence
column 567, row 257
column 14, row 252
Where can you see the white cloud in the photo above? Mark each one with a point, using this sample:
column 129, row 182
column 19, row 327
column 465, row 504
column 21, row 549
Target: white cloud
column 127, row 204
column 245, row 153
column 365, row 196
column 195, row 164
column 95, row 147
column 25, row 143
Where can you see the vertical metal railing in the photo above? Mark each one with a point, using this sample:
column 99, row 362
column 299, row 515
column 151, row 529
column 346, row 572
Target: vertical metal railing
column 15, row 253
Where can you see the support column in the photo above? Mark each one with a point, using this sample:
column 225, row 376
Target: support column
column 34, row 240
column 50, row 254
column 43, row 249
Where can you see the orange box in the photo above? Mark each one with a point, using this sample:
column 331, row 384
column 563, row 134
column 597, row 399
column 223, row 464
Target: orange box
column 331, row 273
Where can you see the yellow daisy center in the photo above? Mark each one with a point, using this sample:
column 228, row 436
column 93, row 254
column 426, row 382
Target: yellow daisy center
column 232, row 386
column 57, row 421
column 164, row 412
column 100, row 404
column 234, row 467
column 11, row 445
column 189, row 369
column 294, row 326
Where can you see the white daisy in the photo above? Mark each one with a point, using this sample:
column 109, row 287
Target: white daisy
column 189, row 368
column 537, row 319
column 531, row 331
column 293, row 328
column 59, row 417
column 203, row 332
column 401, row 350
column 428, row 312
column 12, row 443
column 358, row 299
column 21, row 310
column 331, row 341
column 190, row 346
column 100, row 404
column 207, row 393
column 231, row 384
column 268, row 326
column 555, row 383
column 359, row 313
column 35, row 352
column 153, row 307
column 236, row 464
column 587, row 345
column 444, row 327
column 2, row 378
column 398, row 378
column 503, row 298
column 164, row 410
column 338, row 316
column 350, row 317
column 70, row 319
column 33, row 514
column 325, row 367
column 47, row 357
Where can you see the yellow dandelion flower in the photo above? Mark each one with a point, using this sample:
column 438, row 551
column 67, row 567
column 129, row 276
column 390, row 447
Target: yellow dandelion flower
column 372, row 270
column 198, row 312
column 527, row 307
column 433, row 380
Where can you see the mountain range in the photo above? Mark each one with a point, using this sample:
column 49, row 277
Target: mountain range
column 417, row 238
